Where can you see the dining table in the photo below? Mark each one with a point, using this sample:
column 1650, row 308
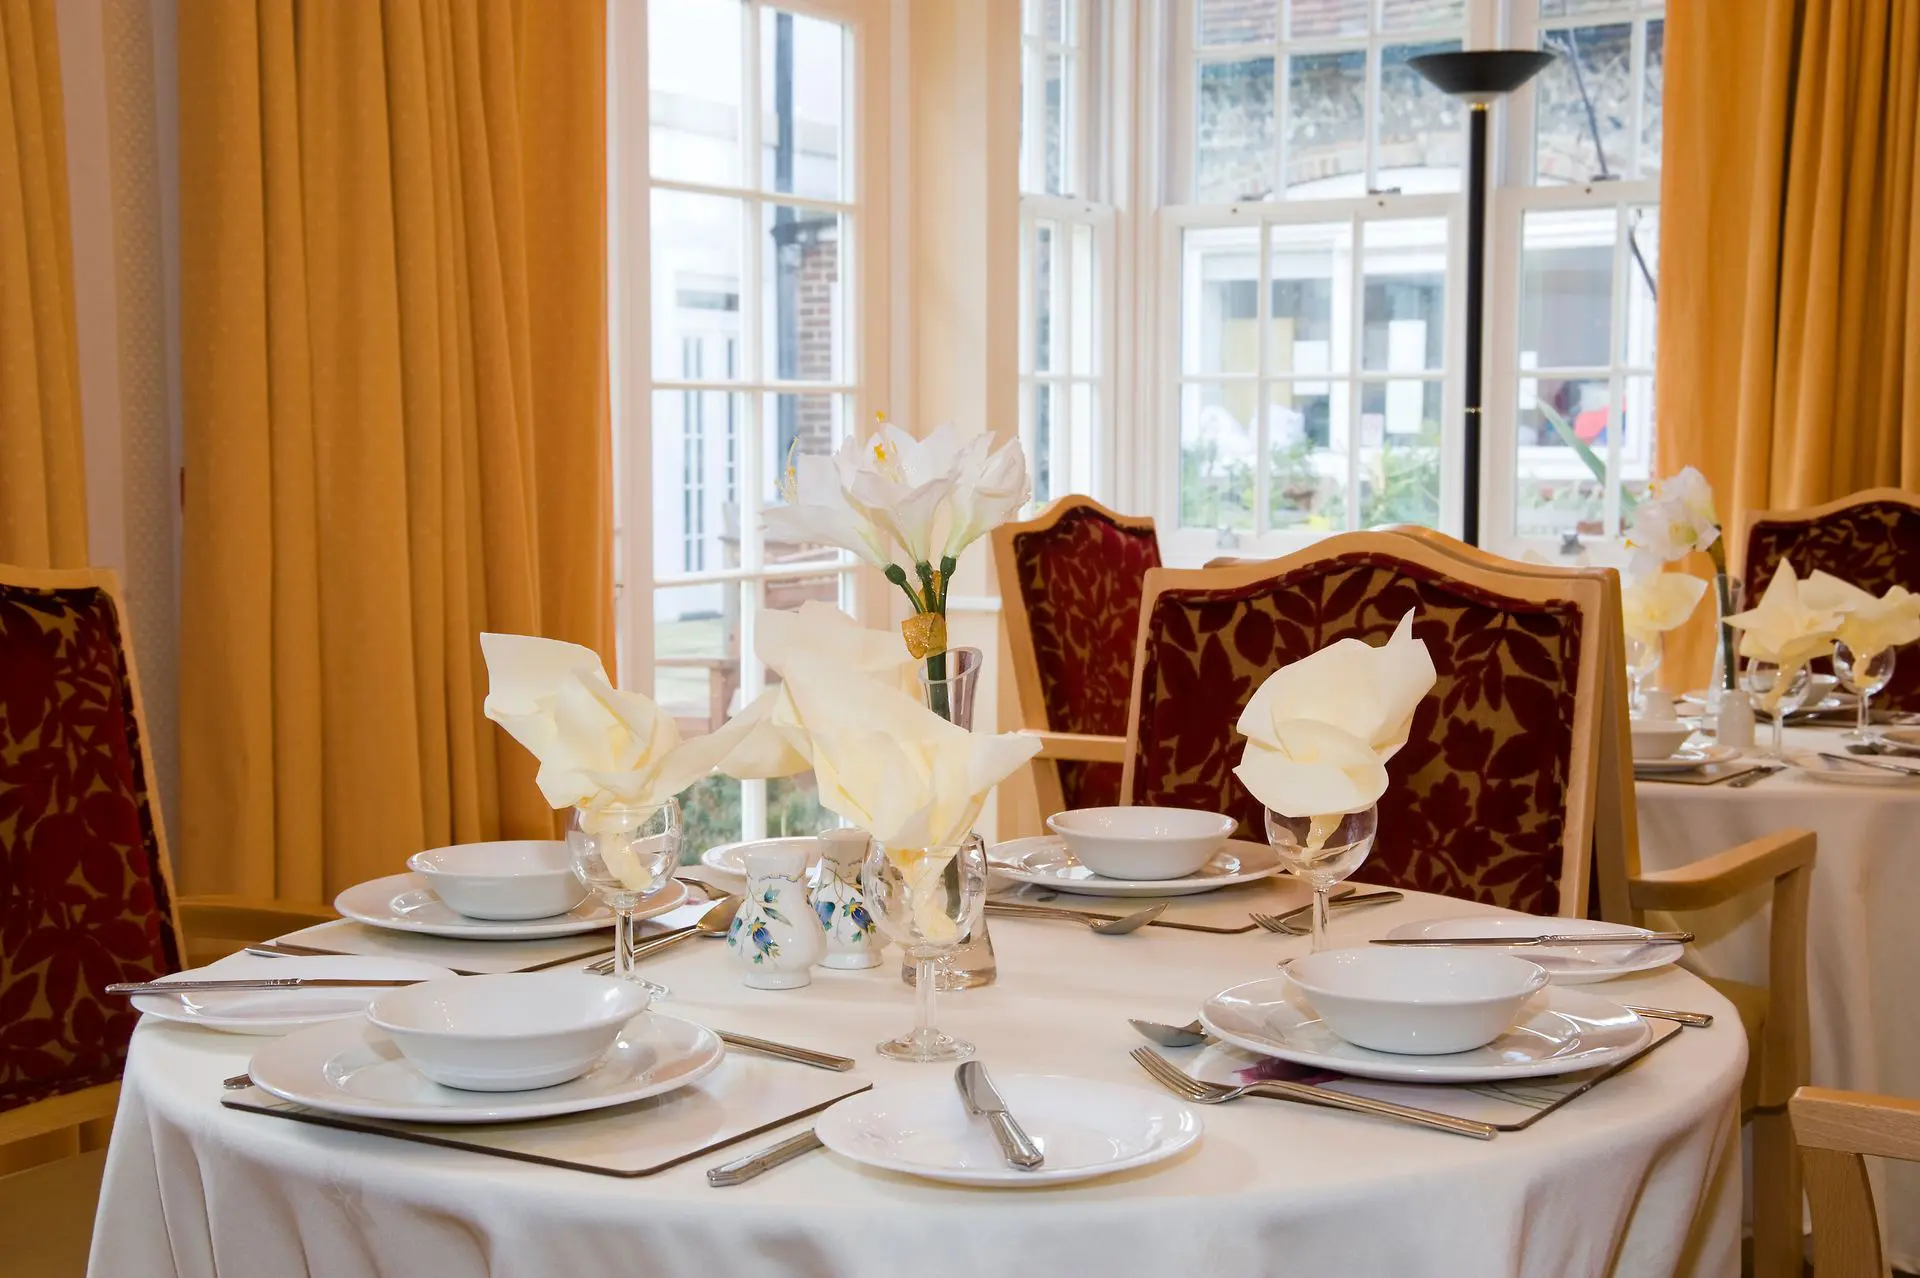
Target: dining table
column 1638, row 1176
column 1863, row 950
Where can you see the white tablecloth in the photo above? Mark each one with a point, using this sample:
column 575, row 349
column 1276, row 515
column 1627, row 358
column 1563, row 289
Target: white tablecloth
column 1863, row 945
column 1639, row 1177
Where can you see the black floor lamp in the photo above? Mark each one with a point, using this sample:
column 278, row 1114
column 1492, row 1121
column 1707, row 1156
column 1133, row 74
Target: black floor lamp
column 1478, row 78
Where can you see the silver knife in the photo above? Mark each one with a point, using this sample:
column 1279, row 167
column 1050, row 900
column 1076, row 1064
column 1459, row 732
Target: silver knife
column 983, row 1101
column 1572, row 938
column 741, row 1170
column 265, row 983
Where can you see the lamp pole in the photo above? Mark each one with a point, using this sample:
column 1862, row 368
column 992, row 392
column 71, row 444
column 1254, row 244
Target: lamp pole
column 1479, row 77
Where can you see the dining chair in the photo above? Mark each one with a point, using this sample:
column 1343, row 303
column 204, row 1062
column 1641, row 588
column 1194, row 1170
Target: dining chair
column 1492, row 799
column 1070, row 590
column 1870, row 538
column 89, row 888
column 1837, row 1132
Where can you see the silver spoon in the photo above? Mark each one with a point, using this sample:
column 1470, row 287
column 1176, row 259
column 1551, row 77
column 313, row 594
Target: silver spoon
column 1116, row 927
column 1192, row 1034
column 715, row 922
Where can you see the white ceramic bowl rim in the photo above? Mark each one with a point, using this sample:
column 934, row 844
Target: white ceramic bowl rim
column 1523, row 977
column 618, row 1013
column 498, row 859
column 1128, row 824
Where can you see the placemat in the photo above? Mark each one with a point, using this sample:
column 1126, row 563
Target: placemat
column 470, row 957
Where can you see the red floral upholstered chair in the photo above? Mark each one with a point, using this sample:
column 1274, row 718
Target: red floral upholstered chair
column 1070, row 589
column 1493, row 795
column 1871, row 539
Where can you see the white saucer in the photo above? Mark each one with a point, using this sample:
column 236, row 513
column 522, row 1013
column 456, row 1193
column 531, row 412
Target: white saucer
column 1687, row 758
column 1565, row 964
column 404, row 903
column 1085, row 1128
column 349, row 1067
column 1045, row 862
column 1808, row 763
column 280, row 1011
column 1557, row 1031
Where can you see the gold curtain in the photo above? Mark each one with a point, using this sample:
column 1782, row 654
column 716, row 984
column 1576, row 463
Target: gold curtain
column 394, row 364
column 1789, row 361
column 43, row 497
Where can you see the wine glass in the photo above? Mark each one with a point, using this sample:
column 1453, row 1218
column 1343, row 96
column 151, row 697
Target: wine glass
column 1779, row 692
column 1322, row 850
column 927, row 899
column 1863, row 679
column 1643, row 658
column 626, row 853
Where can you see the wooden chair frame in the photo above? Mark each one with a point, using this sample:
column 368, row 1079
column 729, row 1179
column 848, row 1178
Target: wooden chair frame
column 1487, row 572
column 1054, row 746
column 1837, row 1131
column 74, row 1122
column 1812, row 514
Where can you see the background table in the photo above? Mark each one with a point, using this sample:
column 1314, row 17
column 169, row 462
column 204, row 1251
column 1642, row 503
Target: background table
column 1863, row 943
column 1642, row 1170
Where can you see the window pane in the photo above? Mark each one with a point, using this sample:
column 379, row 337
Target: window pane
column 1233, row 131
column 1079, row 467
column 1326, row 124
column 693, row 78
column 1579, row 8
column 1650, row 98
column 1406, row 296
column 1589, row 85
column 1238, row 21
column 696, row 438
column 802, row 317
column 1419, row 130
column 1637, row 437
column 803, row 103
column 1056, row 129
column 696, row 644
column 1566, row 289
column 1055, row 15
column 1558, row 491
column 1048, row 410
column 1307, row 456
column 1046, row 287
column 1081, row 340
column 1310, row 19
column 1643, row 271
column 709, row 816
column 1308, row 267
column 1397, row 16
column 1220, row 300
column 1400, row 453
column 696, row 283
column 1216, row 457
column 791, row 425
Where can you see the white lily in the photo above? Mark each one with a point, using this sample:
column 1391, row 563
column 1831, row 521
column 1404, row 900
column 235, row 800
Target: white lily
column 1676, row 518
column 819, row 509
column 1656, row 602
column 905, row 482
column 992, row 487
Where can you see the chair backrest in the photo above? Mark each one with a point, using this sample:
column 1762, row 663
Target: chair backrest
column 1836, row 1131
column 87, row 893
column 1492, row 798
column 1070, row 584
column 1870, row 538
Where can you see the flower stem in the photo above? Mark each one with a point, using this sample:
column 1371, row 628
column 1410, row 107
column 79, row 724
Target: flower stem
column 1726, row 632
column 898, row 576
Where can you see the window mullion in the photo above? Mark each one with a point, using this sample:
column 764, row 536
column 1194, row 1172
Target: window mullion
column 1356, row 324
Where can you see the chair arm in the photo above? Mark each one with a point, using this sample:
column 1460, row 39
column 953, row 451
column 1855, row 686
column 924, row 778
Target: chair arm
column 1724, row 875
column 1857, row 1123
column 249, row 918
column 1082, row 746
column 57, row 1113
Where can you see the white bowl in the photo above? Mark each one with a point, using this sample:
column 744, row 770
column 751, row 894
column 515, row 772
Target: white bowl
column 1142, row 843
column 508, row 1033
column 512, row 879
column 1416, row 1002
column 1658, row 738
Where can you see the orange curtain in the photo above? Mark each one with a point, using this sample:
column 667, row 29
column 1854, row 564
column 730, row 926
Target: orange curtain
column 394, row 369
column 1789, row 363
column 43, row 499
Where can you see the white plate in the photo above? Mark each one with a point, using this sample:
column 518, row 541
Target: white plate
column 1808, row 763
column 279, row 1011
column 1558, row 1031
column 404, row 903
column 1085, row 1128
column 1687, row 758
column 729, row 858
column 1045, row 862
column 1566, row 964
column 349, row 1067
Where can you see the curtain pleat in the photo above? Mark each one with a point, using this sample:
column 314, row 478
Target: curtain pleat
column 370, row 430
column 43, row 502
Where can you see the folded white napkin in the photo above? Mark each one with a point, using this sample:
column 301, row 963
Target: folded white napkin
column 1783, row 627
column 1868, row 625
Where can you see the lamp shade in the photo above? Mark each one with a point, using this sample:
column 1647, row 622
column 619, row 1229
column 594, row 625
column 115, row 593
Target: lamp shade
column 1481, row 75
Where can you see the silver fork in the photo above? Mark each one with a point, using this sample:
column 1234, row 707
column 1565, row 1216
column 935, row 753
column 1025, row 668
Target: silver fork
column 1288, row 924
column 1186, row 1086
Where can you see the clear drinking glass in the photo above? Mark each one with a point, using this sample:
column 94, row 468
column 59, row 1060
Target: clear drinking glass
column 1779, row 693
column 626, row 854
column 1863, row 679
column 1325, row 862
column 926, row 899
column 1643, row 659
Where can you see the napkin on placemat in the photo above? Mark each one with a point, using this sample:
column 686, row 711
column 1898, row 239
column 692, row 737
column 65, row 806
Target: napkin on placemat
column 744, row 1097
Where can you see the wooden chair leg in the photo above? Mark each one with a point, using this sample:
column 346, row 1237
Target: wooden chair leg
column 1778, row 1236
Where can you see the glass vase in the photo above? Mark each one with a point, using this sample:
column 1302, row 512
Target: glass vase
column 1729, row 596
column 951, row 679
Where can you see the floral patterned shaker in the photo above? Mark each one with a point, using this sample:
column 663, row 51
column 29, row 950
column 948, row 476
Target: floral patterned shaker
column 776, row 937
column 852, row 939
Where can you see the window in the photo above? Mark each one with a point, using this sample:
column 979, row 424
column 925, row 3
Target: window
column 753, row 230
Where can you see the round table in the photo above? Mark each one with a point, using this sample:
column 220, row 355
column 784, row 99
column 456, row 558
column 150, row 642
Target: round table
column 1863, row 952
column 1639, row 1176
